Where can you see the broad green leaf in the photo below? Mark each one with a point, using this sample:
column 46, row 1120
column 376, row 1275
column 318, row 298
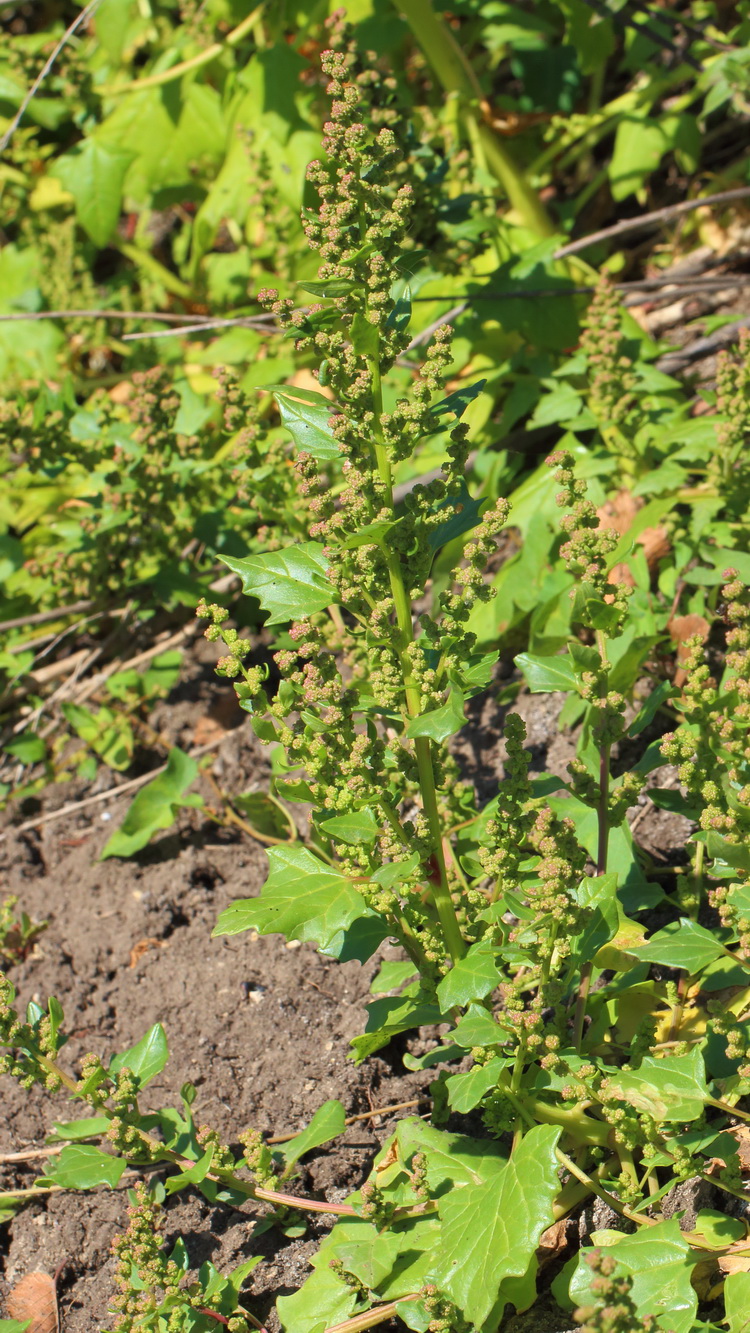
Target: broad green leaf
column 463, row 514
column 726, row 854
column 109, row 734
column 478, row 1028
column 716, row 1228
column 598, row 894
column 546, row 675
column 155, row 807
column 394, row 872
column 739, row 899
column 328, row 1122
column 436, row 1056
column 291, row 584
column 302, row 898
column 737, row 1302
column 373, row 534
column 27, row 748
column 453, row 1158
column 360, row 940
column 646, row 714
column 82, row 1167
column 360, row 826
column 442, row 722
column 192, row 1175
column 392, row 974
column 266, row 815
column 168, row 131
column 94, row 173
column 471, row 978
column 456, row 403
column 590, row 33
column 491, row 1231
column 14, row 1325
column 147, row 1058
column 79, row 1129
column 306, row 416
column 322, row 1301
column 389, row 1016
column 365, row 336
column 658, row 1259
column 681, row 944
column 465, row 1091
column 331, row 287
column 640, row 144
column 672, row 1090
column 372, row 1257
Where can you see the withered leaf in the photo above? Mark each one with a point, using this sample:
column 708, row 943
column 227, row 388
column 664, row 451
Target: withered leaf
column 34, row 1298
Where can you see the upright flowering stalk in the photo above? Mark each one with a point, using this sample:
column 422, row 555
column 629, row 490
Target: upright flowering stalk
column 369, row 694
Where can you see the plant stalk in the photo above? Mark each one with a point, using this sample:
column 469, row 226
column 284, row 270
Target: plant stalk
column 459, row 81
column 195, row 62
column 439, row 886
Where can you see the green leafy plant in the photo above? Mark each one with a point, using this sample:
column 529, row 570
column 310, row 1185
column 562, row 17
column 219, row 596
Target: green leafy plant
column 154, row 1290
column 585, row 1043
column 17, row 932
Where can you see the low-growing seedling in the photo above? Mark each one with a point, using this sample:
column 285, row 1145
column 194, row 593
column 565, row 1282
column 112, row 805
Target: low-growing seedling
column 606, row 1060
column 17, row 932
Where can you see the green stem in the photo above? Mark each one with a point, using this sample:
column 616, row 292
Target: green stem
column 700, row 852
column 602, row 124
column 601, row 857
column 458, row 80
column 195, row 62
column 601, row 1193
column 439, row 887
column 370, row 1318
column 573, row 1120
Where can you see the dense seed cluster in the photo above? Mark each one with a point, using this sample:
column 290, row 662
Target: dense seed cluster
column 612, row 382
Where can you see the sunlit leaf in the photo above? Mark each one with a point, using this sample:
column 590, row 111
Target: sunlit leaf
column 291, row 584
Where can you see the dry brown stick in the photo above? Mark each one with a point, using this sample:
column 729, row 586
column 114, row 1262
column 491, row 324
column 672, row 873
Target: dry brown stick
column 31, row 1154
column 702, row 347
column 626, row 225
column 93, row 656
column 85, row 14
column 131, row 663
column 63, row 667
column 162, row 317
column 240, row 321
column 74, row 806
column 41, row 617
column 52, row 637
column 352, row 1119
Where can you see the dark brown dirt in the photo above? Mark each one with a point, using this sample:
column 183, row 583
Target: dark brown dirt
column 261, row 1027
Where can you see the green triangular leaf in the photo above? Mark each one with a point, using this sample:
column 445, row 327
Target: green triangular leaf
column 328, row 1122
column 94, row 173
column 442, row 722
column 471, row 978
column 147, row 1058
column 672, row 1089
column 682, row 944
column 291, row 584
column 658, row 1258
column 491, row 1231
column 83, row 1167
column 155, row 806
column 306, row 415
column 302, row 898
